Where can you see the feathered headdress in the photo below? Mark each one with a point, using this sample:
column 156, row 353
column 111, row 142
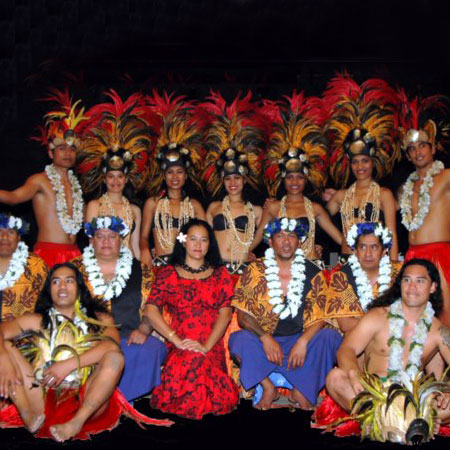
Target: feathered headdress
column 360, row 122
column 179, row 139
column 415, row 123
column 234, row 141
column 62, row 125
column 118, row 137
column 296, row 142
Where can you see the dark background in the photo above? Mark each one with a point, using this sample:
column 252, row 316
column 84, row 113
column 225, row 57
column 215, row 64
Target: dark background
column 190, row 46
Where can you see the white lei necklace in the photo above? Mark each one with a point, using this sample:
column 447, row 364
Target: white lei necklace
column 408, row 221
column 397, row 322
column 363, row 286
column 71, row 225
column 122, row 273
column 16, row 267
column 295, row 287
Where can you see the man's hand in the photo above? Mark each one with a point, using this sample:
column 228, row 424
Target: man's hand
column 353, row 375
column 297, row 354
column 9, row 378
column 194, row 346
column 136, row 337
column 269, row 201
column 272, row 349
column 57, row 372
column 328, row 194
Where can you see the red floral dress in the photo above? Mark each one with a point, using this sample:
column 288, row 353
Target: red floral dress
column 194, row 384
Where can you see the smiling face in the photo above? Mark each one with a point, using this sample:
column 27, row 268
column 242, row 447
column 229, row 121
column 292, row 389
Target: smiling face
column 295, row 183
column 63, row 288
column 362, row 167
column 369, row 252
column 197, row 244
column 9, row 240
column 416, row 286
column 106, row 244
column 175, row 177
column 115, row 181
column 421, row 154
column 63, row 155
column 234, row 184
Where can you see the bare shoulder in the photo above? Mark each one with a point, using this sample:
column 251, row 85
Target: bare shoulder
column 386, row 193
column 441, row 332
column 136, row 210
column 339, row 195
column 214, row 208
column 375, row 316
column 151, row 202
column 317, row 208
column 29, row 321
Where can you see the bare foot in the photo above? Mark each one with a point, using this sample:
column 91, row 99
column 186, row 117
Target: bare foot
column 269, row 396
column 33, row 422
column 65, row 431
column 298, row 400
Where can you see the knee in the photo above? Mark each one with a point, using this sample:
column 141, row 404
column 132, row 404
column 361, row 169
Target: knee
column 335, row 379
column 113, row 360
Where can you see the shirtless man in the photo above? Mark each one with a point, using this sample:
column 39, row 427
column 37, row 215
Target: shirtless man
column 57, row 229
column 427, row 221
column 417, row 284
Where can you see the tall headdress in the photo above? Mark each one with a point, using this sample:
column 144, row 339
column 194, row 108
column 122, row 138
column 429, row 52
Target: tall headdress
column 415, row 123
column 179, row 139
column 118, row 137
column 360, row 122
column 62, row 125
column 296, row 142
column 234, row 141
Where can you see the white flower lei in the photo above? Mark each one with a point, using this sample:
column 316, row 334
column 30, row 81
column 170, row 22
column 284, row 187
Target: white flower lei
column 363, row 286
column 16, row 267
column 397, row 322
column 295, row 287
column 122, row 273
column 71, row 225
column 408, row 221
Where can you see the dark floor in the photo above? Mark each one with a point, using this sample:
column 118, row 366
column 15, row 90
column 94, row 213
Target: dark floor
column 243, row 428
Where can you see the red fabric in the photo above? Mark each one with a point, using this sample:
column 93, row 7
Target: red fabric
column 194, row 384
column 60, row 409
column 53, row 253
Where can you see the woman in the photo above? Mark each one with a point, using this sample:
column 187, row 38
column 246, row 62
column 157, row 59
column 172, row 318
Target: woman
column 178, row 156
column 297, row 155
column 361, row 129
column 197, row 293
column 114, row 203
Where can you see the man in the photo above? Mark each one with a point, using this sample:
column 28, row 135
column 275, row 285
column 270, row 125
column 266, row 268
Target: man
column 22, row 274
column 280, row 300
column 123, row 285
column 55, row 193
column 398, row 336
column 424, row 204
column 366, row 275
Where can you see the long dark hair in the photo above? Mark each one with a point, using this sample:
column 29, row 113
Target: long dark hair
column 394, row 293
column 178, row 255
column 45, row 302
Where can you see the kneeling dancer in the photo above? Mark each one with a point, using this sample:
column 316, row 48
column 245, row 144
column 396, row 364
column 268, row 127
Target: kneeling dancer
column 280, row 301
column 69, row 388
column 398, row 336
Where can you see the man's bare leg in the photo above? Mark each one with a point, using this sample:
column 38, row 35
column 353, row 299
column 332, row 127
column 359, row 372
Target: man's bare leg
column 99, row 388
column 340, row 389
column 269, row 395
column 299, row 400
column 28, row 400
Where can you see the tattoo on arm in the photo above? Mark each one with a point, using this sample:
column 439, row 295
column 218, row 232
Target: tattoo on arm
column 249, row 323
column 445, row 335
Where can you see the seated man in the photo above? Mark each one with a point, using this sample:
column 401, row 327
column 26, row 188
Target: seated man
column 22, row 274
column 366, row 275
column 280, row 300
column 123, row 285
column 398, row 336
column 76, row 363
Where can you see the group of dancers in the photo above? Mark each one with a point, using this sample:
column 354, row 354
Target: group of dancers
column 171, row 300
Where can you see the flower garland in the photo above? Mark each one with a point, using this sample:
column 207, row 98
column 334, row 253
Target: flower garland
column 408, row 221
column 121, row 275
column 364, row 228
column 113, row 223
column 295, row 287
column 16, row 267
column 363, row 286
column 71, row 225
column 16, row 223
column 397, row 322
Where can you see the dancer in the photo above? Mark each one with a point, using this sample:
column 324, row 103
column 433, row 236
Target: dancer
column 197, row 292
column 56, row 194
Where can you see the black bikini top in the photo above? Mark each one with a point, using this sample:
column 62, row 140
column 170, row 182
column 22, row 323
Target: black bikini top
column 174, row 221
column 219, row 223
column 368, row 212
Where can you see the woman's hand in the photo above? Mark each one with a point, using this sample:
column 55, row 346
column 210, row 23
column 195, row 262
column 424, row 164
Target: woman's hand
column 194, row 346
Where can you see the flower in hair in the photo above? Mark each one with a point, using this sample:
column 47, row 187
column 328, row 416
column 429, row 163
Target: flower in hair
column 181, row 237
column 365, row 228
column 113, row 223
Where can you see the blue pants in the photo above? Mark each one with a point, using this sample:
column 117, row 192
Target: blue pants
column 142, row 370
column 308, row 379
